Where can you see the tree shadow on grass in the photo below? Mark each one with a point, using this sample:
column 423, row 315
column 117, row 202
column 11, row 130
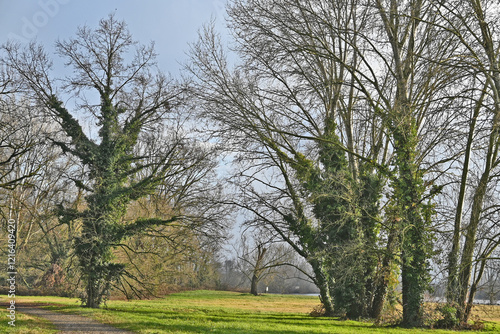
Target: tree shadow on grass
column 202, row 320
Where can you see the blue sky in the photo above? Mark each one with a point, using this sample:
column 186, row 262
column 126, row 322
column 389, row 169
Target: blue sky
column 171, row 24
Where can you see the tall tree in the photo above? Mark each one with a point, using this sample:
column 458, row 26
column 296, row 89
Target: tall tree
column 333, row 101
column 289, row 110
column 133, row 103
column 475, row 33
column 408, row 188
column 413, row 101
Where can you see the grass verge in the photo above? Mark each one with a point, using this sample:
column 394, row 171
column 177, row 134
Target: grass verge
column 24, row 324
column 213, row 312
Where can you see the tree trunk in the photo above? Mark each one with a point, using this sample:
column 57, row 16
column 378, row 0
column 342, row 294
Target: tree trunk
column 473, row 290
column 452, row 285
column 91, row 300
column 408, row 186
column 383, row 280
column 471, row 231
column 487, row 42
column 257, row 270
column 324, row 288
column 415, row 248
column 253, row 287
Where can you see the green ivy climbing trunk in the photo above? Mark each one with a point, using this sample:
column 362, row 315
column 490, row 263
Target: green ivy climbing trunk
column 414, row 217
column 131, row 96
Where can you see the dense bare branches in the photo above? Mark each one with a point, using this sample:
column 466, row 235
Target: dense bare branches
column 142, row 146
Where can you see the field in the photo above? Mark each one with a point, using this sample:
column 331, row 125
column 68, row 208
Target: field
column 216, row 312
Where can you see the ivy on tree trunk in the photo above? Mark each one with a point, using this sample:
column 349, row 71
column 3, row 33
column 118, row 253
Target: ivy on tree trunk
column 119, row 166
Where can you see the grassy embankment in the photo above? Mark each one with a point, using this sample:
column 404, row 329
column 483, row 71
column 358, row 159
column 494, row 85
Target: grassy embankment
column 215, row 312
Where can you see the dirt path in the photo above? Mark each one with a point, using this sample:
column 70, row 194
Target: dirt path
column 69, row 323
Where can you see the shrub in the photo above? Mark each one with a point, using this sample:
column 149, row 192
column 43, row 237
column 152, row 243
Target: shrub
column 448, row 320
column 318, row 311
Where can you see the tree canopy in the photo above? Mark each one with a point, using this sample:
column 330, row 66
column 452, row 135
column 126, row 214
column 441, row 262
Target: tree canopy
column 140, row 145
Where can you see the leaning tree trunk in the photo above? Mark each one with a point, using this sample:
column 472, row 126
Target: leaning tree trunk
column 493, row 74
column 465, row 269
column 321, row 280
column 452, row 284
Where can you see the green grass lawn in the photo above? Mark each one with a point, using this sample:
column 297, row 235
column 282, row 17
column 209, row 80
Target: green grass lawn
column 210, row 312
column 25, row 324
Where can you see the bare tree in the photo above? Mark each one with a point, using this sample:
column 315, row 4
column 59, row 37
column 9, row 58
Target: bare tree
column 480, row 60
column 330, row 102
column 261, row 255
column 282, row 109
column 15, row 122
